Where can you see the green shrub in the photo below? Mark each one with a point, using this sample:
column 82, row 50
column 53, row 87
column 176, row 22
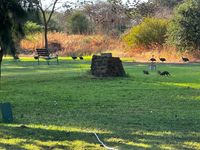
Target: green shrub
column 184, row 29
column 150, row 32
column 78, row 23
column 31, row 27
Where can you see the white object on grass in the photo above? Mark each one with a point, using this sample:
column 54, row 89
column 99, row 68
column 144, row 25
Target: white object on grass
column 109, row 148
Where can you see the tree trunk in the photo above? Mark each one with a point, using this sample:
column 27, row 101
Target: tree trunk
column 46, row 36
column 1, row 58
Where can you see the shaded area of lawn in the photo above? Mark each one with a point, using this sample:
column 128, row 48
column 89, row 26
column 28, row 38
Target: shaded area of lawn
column 62, row 104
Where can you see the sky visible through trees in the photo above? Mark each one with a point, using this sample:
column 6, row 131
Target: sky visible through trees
column 60, row 3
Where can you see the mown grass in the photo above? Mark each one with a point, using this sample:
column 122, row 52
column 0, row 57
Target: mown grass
column 63, row 104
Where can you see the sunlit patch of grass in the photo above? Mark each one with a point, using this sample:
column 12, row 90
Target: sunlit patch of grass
column 192, row 145
column 142, row 145
column 60, row 128
column 187, row 85
column 53, row 143
column 131, row 143
column 196, row 98
column 12, row 141
column 83, row 145
column 167, row 147
column 154, row 133
column 30, row 147
column 45, row 140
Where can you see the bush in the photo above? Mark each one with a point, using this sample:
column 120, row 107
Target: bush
column 78, row 23
column 31, row 27
column 150, row 32
column 184, row 30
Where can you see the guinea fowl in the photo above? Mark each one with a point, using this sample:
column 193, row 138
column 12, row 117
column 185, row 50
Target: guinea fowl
column 164, row 73
column 162, row 59
column 81, row 58
column 74, row 57
column 152, row 58
column 36, row 57
column 185, row 59
column 146, row 72
column 16, row 57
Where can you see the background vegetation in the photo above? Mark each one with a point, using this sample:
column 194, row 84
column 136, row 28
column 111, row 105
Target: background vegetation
column 150, row 32
column 184, row 28
column 153, row 26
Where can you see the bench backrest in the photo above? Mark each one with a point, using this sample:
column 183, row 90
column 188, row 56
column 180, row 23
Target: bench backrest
column 42, row 52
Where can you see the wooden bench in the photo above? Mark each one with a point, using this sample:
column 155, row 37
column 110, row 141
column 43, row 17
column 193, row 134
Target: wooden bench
column 44, row 53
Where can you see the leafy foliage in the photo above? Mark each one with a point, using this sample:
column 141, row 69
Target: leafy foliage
column 78, row 23
column 184, row 30
column 150, row 32
column 145, row 9
column 167, row 3
column 11, row 18
column 31, row 27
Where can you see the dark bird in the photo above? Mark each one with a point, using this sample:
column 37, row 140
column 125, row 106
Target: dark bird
column 23, row 126
column 81, row 58
column 146, row 72
column 36, row 57
column 152, row 58
column 185, row 59
column 74, row 57
column 162, row 59
column 164, row 73
column 16, row 57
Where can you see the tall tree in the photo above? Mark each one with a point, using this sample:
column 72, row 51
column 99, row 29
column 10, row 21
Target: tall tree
column 78, row 23
column 107, row 17
column 11, row 19
column 167, row 3
column 184, row 31
column 47, row 13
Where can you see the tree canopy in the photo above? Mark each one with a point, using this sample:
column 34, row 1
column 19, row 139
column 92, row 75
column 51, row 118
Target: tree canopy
column 184, row 30
column 11, row 17
column 78, row 23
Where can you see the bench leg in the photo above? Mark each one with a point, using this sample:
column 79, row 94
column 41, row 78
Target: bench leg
column 38, row 60
column 57, row 61
column 47, row 62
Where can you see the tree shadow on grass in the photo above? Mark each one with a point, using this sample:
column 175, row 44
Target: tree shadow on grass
column 20, row 137
column 41, row 137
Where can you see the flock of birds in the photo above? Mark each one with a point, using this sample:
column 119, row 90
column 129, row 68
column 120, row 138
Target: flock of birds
column 164, row 59
column 74, row 57
column 163, row 73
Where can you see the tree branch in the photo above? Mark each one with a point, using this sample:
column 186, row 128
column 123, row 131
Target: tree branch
column 52, row 11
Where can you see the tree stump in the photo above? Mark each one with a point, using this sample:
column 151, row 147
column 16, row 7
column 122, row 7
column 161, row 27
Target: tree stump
column 107, row 66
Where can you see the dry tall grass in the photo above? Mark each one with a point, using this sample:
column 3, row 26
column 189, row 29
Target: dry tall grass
column 71, row 44
column 76, row 45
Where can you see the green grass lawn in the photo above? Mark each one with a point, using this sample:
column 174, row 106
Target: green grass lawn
column 62, row 105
